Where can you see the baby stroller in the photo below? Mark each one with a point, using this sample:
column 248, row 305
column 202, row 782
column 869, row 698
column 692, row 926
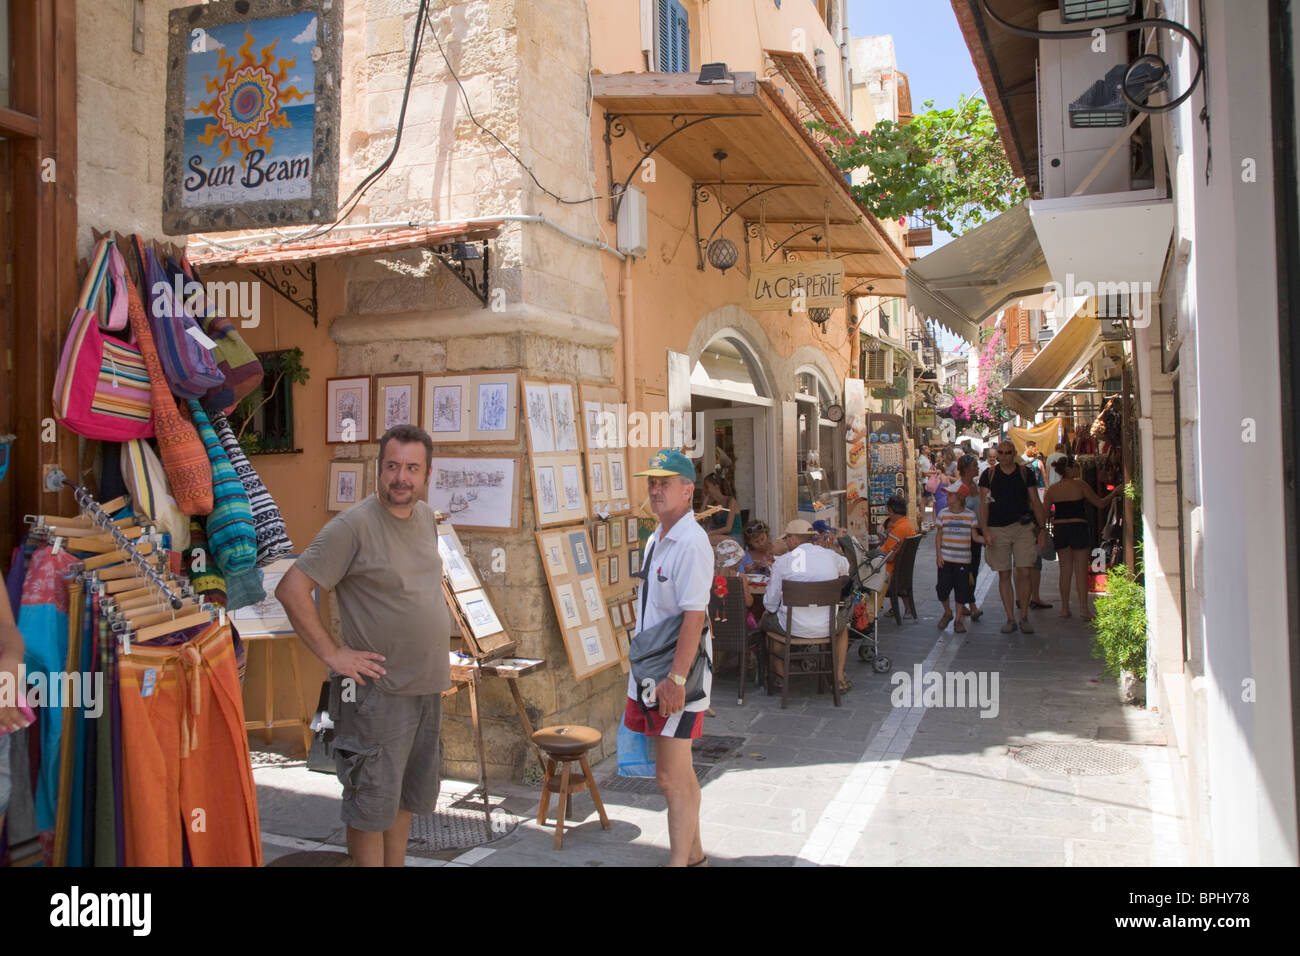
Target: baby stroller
column 867, row 579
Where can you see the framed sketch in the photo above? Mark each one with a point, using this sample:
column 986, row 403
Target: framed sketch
column 603, row 416
column 474, row 407
column 592, row 600
column 634, row 561
column 629, row 613
column 566, row 604
column 593, row 650
column 617, row 476
column 616, row 534
column 603, row 565
column 601, row 536
column 442, row 409
column 584, row 617
column 594, row 424
column 613, row 569
column 596, row 469
column 564, row 416
column 616, row 615
column 397, row 401
column 548, row 494
column 622, row 640
column 558, row 493
column 632, row 536
column 456, row 566
column 476, row 492
column 554, row 548
column 346, row 485
column 479, row 613
column 579, row 548
column 537, row 409
column 347, row 407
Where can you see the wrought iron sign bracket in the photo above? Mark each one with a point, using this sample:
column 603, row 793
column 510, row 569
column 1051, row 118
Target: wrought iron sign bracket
column 460, row 268
column 700, row 194
column 616, row 127
column 286, row 279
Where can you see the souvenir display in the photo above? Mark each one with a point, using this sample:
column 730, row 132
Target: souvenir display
column 475, row 407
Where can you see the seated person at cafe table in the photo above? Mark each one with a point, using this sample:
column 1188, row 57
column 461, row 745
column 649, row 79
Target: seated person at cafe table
column 805, row 561
column 896, row 529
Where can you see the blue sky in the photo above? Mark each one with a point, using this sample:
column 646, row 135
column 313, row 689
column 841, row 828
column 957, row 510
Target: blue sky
column 933, row 54
column 295, row 33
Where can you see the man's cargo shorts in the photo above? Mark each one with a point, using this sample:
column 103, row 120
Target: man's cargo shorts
column 387, row 751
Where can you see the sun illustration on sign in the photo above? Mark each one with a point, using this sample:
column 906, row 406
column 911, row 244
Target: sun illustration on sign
column 249, row 101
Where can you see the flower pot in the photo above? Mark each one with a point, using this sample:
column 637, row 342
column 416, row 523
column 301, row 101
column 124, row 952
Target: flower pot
column 1097, row 582
column 1132, row 690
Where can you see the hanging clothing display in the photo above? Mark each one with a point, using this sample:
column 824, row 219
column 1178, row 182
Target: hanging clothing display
column 272, row 537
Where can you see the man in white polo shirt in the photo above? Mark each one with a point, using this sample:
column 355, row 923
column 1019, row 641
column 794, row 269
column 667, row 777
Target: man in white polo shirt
column 805, row 561
column 676, row 578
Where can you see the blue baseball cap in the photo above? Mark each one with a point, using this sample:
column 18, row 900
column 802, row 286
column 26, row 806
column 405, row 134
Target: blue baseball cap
column 669, row 461
column 821, row 526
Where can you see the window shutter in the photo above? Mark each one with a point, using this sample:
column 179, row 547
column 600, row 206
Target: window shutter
column 673, row 36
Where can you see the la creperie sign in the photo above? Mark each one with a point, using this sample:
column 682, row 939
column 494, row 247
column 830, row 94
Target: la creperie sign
column 797, row 285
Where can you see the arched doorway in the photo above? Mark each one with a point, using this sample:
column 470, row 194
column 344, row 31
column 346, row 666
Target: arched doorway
column 731, row 397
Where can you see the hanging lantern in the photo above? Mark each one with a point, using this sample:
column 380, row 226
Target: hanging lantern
column 820, row 315
column 722, row 254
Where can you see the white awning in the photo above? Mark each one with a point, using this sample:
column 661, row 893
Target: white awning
column 1053, row 367
column 962, row 283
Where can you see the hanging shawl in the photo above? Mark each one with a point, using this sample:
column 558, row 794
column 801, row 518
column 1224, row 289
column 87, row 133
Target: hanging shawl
column 272, row 536
column 230, row 525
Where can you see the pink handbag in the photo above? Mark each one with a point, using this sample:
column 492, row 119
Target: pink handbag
column 101, row 390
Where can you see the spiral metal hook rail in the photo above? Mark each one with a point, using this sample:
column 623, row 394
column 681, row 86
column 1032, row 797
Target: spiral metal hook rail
column 104, row 520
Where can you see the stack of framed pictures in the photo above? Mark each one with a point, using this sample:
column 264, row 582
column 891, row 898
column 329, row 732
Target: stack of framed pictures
column 480, row 627
column 585, row 622
column 559, row 496
column 606, row 441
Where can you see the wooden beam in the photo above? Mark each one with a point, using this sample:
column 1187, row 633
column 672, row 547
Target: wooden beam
column 16, row 123
column 631, row 85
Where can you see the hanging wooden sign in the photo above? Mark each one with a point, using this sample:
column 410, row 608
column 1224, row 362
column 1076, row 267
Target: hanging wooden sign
column 251, row 131
column 818, row 284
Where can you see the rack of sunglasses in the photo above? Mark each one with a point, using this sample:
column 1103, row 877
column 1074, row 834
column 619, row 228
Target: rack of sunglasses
column 127, row 570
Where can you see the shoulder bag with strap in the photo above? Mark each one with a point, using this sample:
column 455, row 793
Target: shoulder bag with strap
column 101, row 389
column 652, row 650
column 190, row 368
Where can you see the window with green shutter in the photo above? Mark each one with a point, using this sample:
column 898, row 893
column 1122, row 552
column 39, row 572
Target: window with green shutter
column 673, row 37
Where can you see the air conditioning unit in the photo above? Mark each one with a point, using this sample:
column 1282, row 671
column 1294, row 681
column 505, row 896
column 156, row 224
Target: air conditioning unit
column 1068, row 73
column 879, row 370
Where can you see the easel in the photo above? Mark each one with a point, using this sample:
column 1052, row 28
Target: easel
column 489, row 657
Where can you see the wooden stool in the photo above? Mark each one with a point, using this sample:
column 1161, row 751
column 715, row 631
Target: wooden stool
column 565, row 745
column 303, row 720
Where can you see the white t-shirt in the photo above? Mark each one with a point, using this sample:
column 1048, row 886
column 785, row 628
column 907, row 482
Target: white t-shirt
column 680, row 578
column 1050, row 471
column 924, row 464
column 808, row 562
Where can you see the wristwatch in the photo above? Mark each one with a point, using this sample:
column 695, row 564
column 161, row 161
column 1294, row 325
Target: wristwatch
column 677, row 679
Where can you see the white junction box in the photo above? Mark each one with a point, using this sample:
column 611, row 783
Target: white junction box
column 632, row 229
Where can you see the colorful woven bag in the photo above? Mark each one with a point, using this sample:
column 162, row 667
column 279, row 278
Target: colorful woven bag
column 188, row 472
column 238, row 363
column 190, row 367
column 230, row 525
column 101, row 390
column 272, row 536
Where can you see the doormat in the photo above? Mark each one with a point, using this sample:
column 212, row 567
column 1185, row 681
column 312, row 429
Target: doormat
column 458, row 824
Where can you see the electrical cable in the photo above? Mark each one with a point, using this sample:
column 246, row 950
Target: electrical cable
column 1150, row 59
column 417, row 41
column 474, row 119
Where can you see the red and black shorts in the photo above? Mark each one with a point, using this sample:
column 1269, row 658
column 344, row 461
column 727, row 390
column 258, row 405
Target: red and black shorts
column 685, row 724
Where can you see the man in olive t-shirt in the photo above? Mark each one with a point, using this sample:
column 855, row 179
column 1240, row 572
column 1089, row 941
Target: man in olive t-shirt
column 381, row 560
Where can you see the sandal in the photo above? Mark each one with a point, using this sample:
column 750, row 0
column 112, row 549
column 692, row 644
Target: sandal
column 1009, row 627
column 1039, row 605
column 702, row 861
column 846, row 685
column 976, row 614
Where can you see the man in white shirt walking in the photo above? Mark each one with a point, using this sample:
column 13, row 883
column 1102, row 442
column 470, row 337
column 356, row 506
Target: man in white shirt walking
column 805, row 561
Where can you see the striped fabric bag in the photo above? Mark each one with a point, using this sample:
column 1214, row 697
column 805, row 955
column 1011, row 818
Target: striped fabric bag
column 272, row 535
column 230, row 525
column 147, row 483
column 191, row 369
column 101, row 390
column 188, row 472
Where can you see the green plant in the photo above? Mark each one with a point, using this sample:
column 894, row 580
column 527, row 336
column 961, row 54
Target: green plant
column 281, row 365
column 1121, row 623
column 947, row 166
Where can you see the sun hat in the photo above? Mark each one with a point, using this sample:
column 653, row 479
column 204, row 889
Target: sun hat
column 668, row 461
column 797, row 526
